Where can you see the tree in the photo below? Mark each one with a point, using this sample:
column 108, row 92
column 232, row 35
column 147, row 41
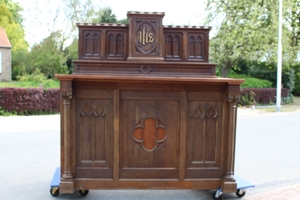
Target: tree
column 62, row 16
column 106, row 16
column 14, row 9
column 50, row 55
column 248, row 30
column 62, row 44
column 71, row 51
column 5, row 15
column 47, row 57
column 294, row 19
column 11, row 21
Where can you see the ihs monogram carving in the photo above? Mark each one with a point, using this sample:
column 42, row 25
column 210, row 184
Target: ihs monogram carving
column 145, row 38
column 149, row 134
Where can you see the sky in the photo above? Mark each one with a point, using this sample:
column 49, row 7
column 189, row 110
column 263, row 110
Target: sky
column 38, row 14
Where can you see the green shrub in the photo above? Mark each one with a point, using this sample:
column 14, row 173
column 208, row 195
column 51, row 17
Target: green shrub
column 50, row 83
column 268, row 71
column 296, row 90
column 39, row 79
column 248, row 98
column 36, row 77
column 3, row 112
column 251, row 82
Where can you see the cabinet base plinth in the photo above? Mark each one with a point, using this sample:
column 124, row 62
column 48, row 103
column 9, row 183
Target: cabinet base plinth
column 66, row 187
column 228, row 187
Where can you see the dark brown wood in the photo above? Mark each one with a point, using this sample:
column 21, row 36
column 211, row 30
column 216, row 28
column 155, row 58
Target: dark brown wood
column 66, row 171
column 144, row 109
column 182, row 136
column 116, row 150
column 178, row 69
column 199, row 184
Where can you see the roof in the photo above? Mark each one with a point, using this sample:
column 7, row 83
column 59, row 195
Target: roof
column 4, row 41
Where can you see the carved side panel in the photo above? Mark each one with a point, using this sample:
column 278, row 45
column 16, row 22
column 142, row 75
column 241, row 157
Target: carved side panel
column 93, row 138
column 92, row 134
column 196, row 46
column 116, row 44
column 204, row 137
column 173, row 46
column 91, row 43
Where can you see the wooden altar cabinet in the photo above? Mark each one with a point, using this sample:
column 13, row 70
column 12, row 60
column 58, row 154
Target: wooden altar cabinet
column 144, row 109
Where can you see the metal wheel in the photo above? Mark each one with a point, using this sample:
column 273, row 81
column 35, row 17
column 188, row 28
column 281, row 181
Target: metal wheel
column 240, row 193
column 217, row 195
column 83, row 192
column 54, row 191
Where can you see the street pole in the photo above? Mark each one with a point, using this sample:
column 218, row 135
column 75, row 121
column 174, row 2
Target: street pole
column 279, row 60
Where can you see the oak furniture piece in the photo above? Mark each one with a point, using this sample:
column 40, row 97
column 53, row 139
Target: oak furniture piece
column 144, row 109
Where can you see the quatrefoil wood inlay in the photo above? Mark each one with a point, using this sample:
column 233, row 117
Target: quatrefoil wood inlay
column 149, row 134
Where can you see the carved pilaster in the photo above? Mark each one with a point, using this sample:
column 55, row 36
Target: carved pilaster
column 229, row 184
column 66, row 96
column 67, row 178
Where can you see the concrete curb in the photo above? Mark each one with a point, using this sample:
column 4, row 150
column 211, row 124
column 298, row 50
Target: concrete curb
column 27, row 123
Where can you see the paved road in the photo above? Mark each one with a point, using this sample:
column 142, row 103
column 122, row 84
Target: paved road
column 267, row 151
column 266, row 155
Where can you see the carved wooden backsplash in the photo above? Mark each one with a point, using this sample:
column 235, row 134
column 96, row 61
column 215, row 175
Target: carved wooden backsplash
column 179, row 43
column 143, row 37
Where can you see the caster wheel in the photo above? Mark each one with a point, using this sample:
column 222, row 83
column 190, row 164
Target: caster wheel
column 240, row 193
column 83, row 192
column 54, row 191
column 217, row 195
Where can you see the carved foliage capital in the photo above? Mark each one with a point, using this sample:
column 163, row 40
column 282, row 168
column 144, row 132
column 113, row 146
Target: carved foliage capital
column 232, row 98
column 66, row 95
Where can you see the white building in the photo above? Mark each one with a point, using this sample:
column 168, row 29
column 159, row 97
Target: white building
column 5, row 56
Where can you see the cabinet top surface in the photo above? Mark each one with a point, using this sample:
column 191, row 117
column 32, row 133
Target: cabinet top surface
column 139, row 78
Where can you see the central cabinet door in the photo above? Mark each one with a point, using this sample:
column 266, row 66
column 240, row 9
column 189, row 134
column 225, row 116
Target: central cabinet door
column 149, row 134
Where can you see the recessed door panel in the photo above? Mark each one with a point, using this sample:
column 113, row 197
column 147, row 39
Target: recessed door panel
column 149, row 134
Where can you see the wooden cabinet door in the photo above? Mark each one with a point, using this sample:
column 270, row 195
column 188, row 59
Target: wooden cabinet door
column 93, row 124
column 149, row 134
column 204, row 134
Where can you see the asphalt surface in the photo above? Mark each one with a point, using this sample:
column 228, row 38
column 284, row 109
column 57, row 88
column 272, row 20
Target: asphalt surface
column 267, row 151
column 267, row 155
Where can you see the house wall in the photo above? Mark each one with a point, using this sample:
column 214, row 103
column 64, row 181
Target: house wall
column 5, row 66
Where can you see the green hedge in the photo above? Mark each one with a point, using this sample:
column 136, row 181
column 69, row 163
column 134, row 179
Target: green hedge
column 268, row 71
column 251, row 82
